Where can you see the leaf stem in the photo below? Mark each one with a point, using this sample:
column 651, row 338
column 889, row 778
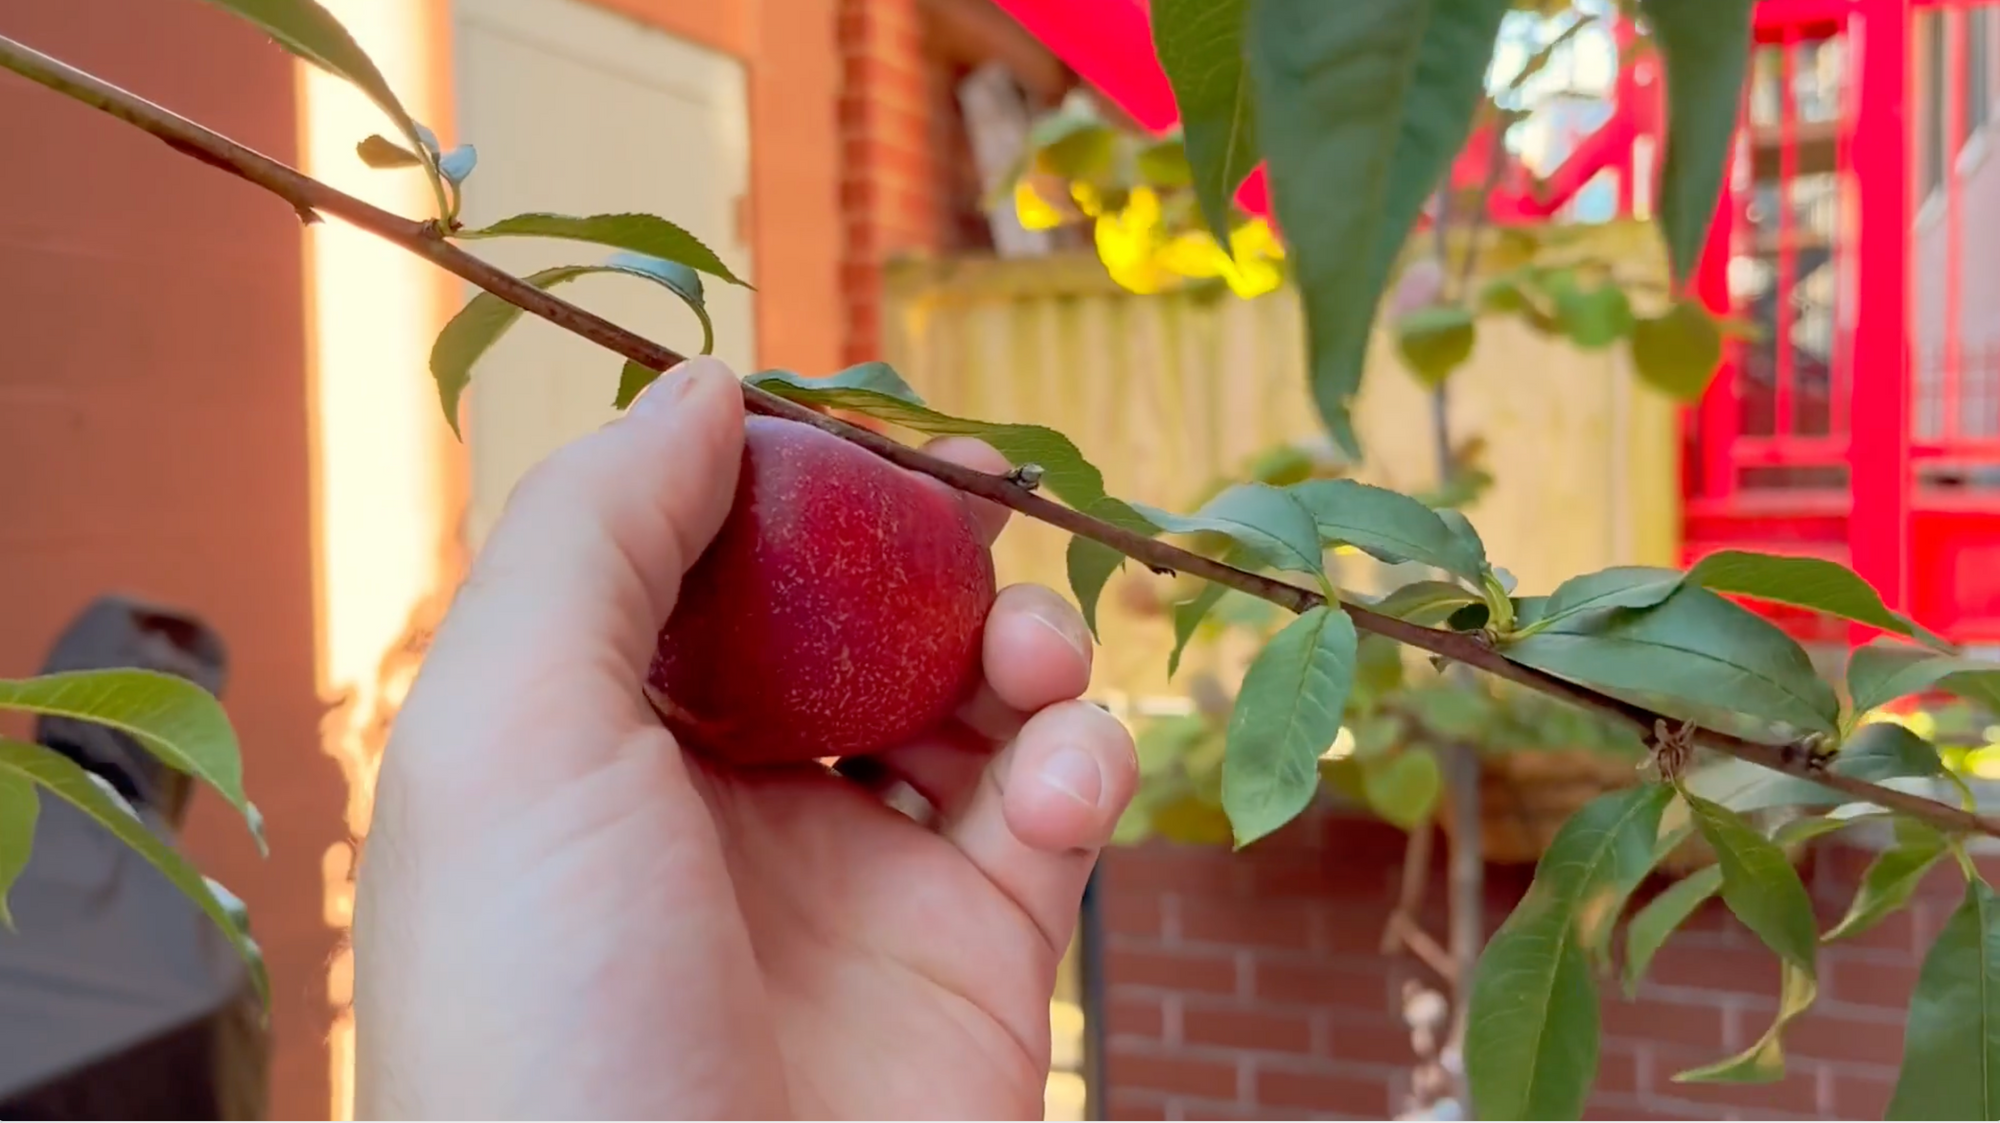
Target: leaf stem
column 427, row 240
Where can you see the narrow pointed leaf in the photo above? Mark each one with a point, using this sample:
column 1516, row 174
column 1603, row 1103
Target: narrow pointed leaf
column 640, row 233
column 1812, row 583
column 64, row 779
column 1532, row 1031
column 1428, row 603
column 1361, row 107
column 381, row 152
column 1388, row 525
column 18, row 811
column 1623, row 586
column 1200, row 45
column 172, row 718
column 1889, row 882
column 1663, row 915
column 1693, row 647
column 1951, row 1042
column 1764, row 1061
column 1884, row 750
column 1188, row 616
column 1706, row 48
column 485, row 318
column 1287, row 713
column 1263, row 520
column 1880, row 673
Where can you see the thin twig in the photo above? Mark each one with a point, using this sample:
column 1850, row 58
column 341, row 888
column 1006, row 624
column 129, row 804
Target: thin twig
column 309, row 196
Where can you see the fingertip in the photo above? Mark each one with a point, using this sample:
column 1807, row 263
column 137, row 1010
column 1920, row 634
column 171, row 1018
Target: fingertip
column 1073, row 771
column 1037, row 649
column 971, row 452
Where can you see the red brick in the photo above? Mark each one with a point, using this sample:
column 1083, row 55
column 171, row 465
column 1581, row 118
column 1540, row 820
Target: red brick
column 1860, row 1097
column 1610, row 1106
column 1124, row 1103
column 1284, row 925
column 1270, row 1031
column 1796, row 1093
column 1207, row 972
column 1617, row 1069
column 1297, row 982
column 1847, row 977
column 1135, row 1016
column 1159, row 866
column 1170, row 1073
column 1834, row 1038
column 1322, row 1092
column 1694, row 1024
column 1378, row 1040
column 1685, row 962
column 1132, row 914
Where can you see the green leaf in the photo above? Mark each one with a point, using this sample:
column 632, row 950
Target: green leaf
column 458, row 163
column 381, row 152
column 1435, row 341
column 645, row 234
column 1287, row 713
column 1424, row 602
column 632, row 379
column 66, row 780
column 874, row 377
column 1461, row 528
column 1951, row 1042
column 1662, row 916
column 1388, row 525
column 1760, row 886
column 1880, row 673
column 1693, row 647
column 1812, row 583
column 1187, row 617
column 172, row 718
column 1402, row 787
column 1200, row 45
column 486, row 317
column 1594, row 318
column 1532, row 1031
column 1884, row 750
column 18, row 812
column 1263, row 520
column 1678, row 350
column 1361, row 108
column 1091, row 563
column 1705, row 45
column 1621, row 586
column 309, row 31
column 1890, row 880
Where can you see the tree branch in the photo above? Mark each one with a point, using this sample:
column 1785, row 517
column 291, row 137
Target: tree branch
column 310, row 197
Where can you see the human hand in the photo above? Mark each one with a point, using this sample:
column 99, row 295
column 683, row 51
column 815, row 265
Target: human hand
column 562, row 915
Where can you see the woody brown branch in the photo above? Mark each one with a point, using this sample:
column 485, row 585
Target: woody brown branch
column 425, row 239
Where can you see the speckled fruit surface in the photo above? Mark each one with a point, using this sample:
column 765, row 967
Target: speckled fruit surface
column 838, row 612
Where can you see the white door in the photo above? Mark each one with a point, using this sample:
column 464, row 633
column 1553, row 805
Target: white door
column 580, row 111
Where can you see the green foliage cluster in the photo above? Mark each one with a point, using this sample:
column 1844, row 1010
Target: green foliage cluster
column 1356, row 109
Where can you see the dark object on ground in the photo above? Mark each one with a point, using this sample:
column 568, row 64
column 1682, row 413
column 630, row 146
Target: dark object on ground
column 118, row 997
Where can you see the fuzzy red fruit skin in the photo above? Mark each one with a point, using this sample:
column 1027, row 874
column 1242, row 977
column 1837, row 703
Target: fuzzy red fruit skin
column 838, row 612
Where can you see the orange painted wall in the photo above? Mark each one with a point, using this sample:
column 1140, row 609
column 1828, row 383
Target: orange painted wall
column 153, row 426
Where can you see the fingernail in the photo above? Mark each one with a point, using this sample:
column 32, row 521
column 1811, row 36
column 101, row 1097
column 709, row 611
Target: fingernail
column 665, row 390
column 1075, row 774
column 1065, row 625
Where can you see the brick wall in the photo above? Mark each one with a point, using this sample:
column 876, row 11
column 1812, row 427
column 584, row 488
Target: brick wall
column 1251, row 986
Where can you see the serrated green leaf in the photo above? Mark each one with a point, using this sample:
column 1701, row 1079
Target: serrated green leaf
column 1263, row 520
column 1532, row 1032
column 1287, row 713
column 1760, row 886
column 1812, row 583
column 485, row 318
column 1200, row 46
column 645, row 234
column 1693, row 647
column 1705, row 45
column 1880, row 673
column 1361, row 107
column 174, row 719
column 1884, row 750
column 1187, row 617
column 1389, row 526
column 1678, row 350
column 1435, row 341
column 309, row 31
column 1621, row 586
column 1091, row 563
column 380, row 152
column 1650, row 927
column 1402, row 787
column 1462, row 529
column 67, row 781
column 18, row 812
column 1424, row 602
column 874, row 377
column 1889, row 882
column 1951, row 1041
